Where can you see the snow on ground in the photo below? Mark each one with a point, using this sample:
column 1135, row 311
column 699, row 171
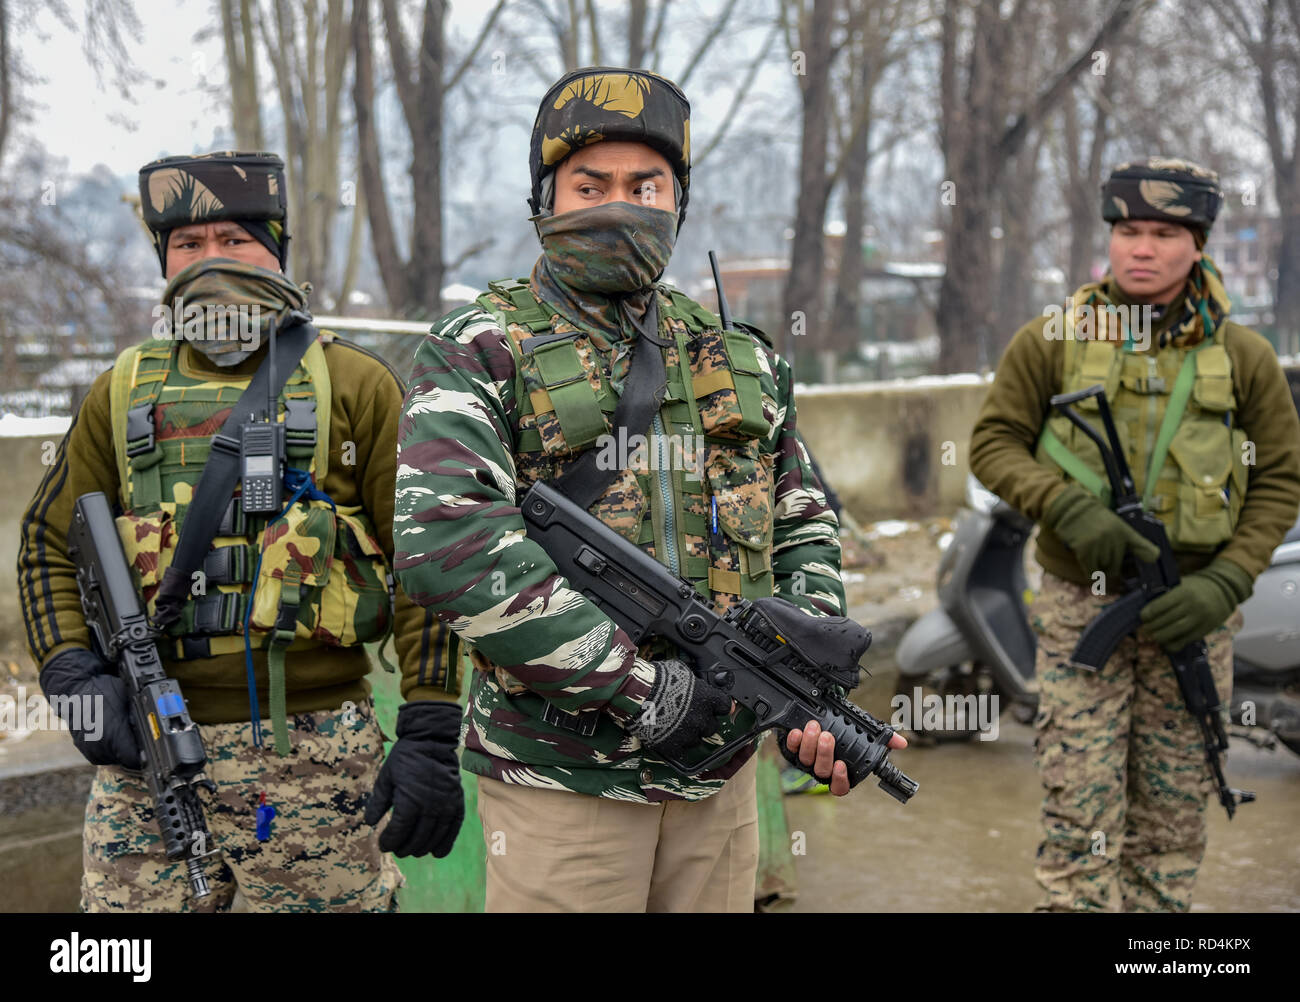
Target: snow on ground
column 890, row 527
column 13, row 426
column 910, row 383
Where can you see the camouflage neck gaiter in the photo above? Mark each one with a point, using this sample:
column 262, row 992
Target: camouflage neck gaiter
column 225, row 308
column 593, row 259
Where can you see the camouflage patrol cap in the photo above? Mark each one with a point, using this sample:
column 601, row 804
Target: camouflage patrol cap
column 1165, row 189
column 609, row 102
column 246, row 188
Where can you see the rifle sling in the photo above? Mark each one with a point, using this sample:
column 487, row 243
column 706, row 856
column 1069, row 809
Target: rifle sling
column 643, row 393
column 217, row 481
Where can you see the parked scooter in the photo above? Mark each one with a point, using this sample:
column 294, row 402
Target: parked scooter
column 979, row 641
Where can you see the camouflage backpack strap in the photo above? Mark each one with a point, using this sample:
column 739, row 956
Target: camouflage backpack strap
column 138, row 377
column 564, row 387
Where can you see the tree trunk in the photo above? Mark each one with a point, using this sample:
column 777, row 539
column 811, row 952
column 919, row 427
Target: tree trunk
column 382, row 237
column 846, row 326
column 424, row 271
column 977, row 143
column 803, row 291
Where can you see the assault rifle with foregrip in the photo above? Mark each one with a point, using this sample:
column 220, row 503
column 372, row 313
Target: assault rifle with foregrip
column 173, row 757
column 1143, row 582
column 769, row 655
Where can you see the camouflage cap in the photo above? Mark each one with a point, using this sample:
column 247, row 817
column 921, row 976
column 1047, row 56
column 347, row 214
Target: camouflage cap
column 1165, row 189
column 247, row 188
column 609, row 102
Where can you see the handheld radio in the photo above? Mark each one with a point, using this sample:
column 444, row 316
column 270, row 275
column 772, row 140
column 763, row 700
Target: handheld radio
column 261, row 451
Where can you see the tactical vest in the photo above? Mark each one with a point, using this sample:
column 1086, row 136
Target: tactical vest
column 321, row 575
column 1175, row 411
column 698, row 497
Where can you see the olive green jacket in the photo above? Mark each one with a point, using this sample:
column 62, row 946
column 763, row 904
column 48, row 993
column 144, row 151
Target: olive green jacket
column 1006, row 433
column 366, row 404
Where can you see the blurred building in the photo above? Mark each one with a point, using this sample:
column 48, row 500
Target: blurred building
column 1245, row 246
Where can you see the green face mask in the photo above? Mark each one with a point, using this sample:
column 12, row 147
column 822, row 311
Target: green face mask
column 614, row 248
column 225, row 308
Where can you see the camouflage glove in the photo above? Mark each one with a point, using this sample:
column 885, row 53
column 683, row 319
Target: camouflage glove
column 1098, row 537
column 681, row 710
column 1201, row 602
column 101, row 726
column 420, row 781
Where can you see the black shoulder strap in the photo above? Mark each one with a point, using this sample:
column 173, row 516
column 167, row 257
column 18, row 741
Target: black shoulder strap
column 643, row 393
column 217, row 482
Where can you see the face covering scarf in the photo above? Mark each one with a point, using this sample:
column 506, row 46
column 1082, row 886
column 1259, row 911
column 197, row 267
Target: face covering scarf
column 595, row 258
column 225, row 308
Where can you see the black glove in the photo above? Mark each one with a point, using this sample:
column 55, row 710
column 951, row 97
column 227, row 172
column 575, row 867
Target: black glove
column 680, row 710
column 420, row 781
column 103, row 733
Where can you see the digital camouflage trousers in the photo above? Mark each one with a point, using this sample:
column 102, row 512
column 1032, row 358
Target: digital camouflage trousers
column 1122, row 764
column 320, row 856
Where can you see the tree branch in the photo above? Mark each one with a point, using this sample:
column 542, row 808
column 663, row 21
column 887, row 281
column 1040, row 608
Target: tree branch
column 1014, row 137
column 714, row 31
column 474, row 49
column 746, row 82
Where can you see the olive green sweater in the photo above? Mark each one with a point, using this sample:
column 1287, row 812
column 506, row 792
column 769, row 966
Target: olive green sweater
column 1005, row 438
column 365, row 409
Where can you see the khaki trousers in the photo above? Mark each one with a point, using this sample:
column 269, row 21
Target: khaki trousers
column 556, row 851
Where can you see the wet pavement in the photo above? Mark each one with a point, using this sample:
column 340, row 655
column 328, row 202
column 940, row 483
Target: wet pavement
column 966, row 841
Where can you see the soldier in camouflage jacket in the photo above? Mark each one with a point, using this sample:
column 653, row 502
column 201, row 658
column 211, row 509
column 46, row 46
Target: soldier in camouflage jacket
column 567, row 721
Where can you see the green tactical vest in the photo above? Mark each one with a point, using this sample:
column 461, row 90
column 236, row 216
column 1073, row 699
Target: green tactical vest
column 703, row 449
column 1175, row 411
column 320, row 572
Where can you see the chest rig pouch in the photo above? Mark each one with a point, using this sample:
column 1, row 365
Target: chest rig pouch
column 1175, row 411
column 695, row 491
column 316, row 572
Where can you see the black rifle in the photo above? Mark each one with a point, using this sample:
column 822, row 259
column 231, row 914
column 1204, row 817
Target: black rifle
column 772, row 657
column 173, row 757
column 1142, row 583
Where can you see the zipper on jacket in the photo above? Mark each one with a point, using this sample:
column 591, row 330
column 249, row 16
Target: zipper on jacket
column 666, row 495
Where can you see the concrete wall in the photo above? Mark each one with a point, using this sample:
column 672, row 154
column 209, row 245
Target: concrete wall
column 882, row 445
column 879, row 444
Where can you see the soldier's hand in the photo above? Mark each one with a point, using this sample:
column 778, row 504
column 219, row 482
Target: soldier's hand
column 420, row 781
column 1098, row 537
column 680, row 711
column 101, row 724
column 815, row 747
column 1201, row 602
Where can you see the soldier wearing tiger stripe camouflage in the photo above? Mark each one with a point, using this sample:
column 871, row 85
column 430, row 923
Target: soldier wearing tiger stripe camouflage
column 567, row 721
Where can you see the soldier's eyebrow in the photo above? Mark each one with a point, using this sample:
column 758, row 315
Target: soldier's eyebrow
column 634, row 175
column 185, row 233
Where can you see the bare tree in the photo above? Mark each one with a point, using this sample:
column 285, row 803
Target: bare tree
column 422, row 80
column 1268, row 33
column 812, row 49
column 881, row 35
column 6, row 78
column 238, row 19
column 1083, row 164
column 980, row 131
column 308, row 48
